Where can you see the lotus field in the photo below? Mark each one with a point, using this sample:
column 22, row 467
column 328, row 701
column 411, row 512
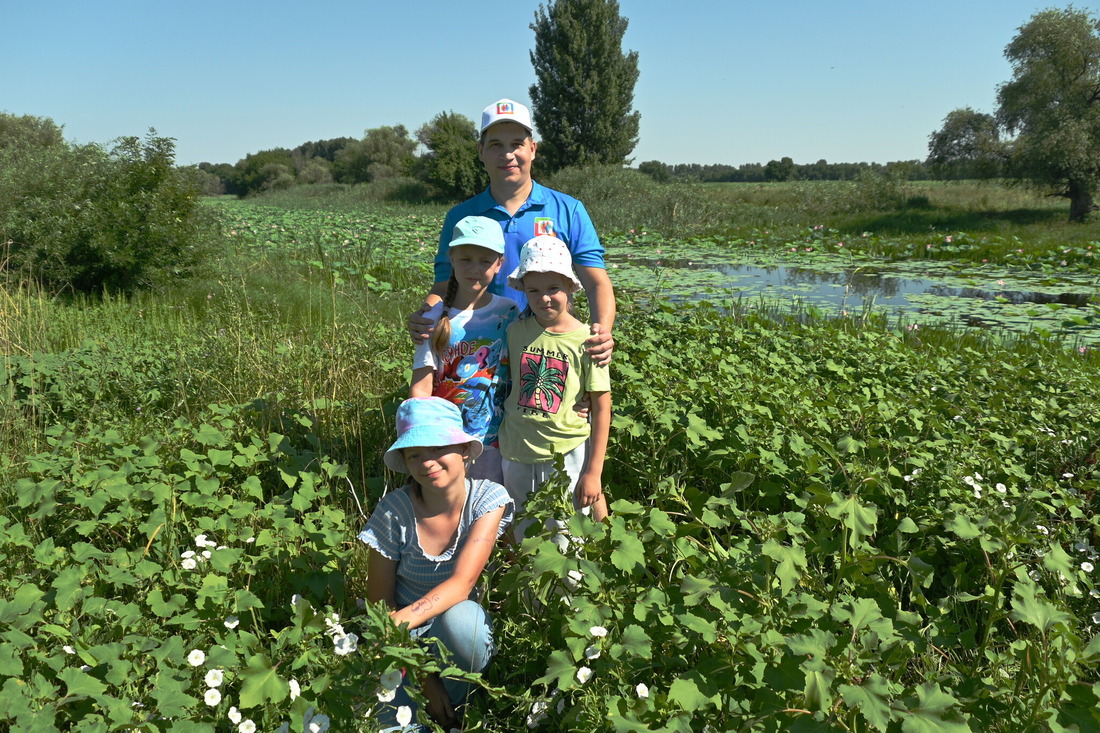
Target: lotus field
column 824, row 517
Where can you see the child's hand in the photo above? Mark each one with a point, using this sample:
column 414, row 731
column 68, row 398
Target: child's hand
column 584, row 404
column 588, row 490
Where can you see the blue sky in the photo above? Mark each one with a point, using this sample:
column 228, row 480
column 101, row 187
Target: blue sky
column 721, row 82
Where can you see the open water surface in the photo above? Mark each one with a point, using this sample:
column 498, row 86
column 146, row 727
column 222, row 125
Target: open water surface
column 914, row 292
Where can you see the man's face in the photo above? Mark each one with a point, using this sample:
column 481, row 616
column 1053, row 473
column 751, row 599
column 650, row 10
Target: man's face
column 506, row 150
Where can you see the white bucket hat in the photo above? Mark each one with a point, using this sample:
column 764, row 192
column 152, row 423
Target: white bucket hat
column 505, row 110
column 544, row 253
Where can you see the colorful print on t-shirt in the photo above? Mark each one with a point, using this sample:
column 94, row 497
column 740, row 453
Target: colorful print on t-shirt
column 542, row 382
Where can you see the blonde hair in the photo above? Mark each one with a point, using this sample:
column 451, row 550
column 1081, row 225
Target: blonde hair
column 442, row 335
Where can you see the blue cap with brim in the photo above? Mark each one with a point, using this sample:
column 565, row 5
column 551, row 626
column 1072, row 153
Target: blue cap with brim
column 480, row 231
column 428, row 422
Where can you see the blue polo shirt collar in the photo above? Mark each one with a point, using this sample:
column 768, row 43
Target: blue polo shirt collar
column 486, row 203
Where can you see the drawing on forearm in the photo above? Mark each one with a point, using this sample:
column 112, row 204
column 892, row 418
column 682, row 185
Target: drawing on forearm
column 424, row 605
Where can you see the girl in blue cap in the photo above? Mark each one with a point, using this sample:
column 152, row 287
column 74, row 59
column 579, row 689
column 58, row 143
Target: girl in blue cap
column 429, row 542
column 466, row 360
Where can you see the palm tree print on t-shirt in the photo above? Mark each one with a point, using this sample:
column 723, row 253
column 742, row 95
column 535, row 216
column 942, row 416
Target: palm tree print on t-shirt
column 542, row 382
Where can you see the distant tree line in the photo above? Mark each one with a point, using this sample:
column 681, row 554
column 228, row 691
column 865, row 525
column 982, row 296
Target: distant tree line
column 784, row 169
column 447, row 164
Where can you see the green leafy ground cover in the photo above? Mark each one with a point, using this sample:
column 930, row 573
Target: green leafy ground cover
column 818, row 524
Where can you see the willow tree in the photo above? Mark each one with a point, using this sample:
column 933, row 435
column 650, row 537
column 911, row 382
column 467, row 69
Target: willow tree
column 1052, row 105
column 584, row 91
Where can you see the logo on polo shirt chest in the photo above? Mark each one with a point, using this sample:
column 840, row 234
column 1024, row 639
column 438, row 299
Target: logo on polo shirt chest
column 544, row 226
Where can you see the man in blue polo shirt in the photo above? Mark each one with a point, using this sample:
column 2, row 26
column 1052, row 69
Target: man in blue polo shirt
column 526, row 209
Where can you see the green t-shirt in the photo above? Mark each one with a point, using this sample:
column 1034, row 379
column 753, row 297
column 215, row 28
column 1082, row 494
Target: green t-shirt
column 550, row 371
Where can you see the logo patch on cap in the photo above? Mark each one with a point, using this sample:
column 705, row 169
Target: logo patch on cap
column 544, row 225
column 505, row 108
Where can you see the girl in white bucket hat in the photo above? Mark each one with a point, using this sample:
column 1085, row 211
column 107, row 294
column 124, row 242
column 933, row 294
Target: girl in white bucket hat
column 550, row 371
column 429, row 542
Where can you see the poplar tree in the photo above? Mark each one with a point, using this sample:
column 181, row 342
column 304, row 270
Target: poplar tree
column 583, row 97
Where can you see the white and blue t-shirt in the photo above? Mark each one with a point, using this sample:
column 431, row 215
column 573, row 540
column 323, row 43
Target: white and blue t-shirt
column 472, row 371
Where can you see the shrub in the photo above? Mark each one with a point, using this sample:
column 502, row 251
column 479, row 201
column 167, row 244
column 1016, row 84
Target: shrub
column 83, row 218
column 620, row 199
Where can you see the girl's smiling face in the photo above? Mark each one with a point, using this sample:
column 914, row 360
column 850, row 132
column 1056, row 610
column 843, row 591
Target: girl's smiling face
column 548, row 295
column 437, row 466
column 474, row 267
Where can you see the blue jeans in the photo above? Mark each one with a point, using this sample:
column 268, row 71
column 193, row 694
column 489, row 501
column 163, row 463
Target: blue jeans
column 467, row 632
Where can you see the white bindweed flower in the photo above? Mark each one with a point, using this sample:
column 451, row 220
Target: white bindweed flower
column 1042, row 529
column 295, row 600
column 206, row 554
column 1087, row 566
column 1094, row 593
column 320, row 723
column 1001, row 488
column 234, row 715
column 584, row 674
column 189, row 563
column 598, row 631
column 232, row 622
column 642, row 691
column 188, row 553
column 386, row 695
column 907, row 477
column 202, row 541
column 215, row 677
column 968, row 480
column 68, row 649
column 404, row 715
column 295, row 689
column 246, row 726
column 1067, row 475
column 391, row 680
column 346, row 644
column 977, row 492
column 212, row 697
column 977, row 476
column 538, row 714
column 1096, row 617
column 196, row 657
column 592, row 652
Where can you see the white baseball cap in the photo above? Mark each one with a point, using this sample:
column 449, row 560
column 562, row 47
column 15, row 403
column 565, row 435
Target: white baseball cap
column 506, row 110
